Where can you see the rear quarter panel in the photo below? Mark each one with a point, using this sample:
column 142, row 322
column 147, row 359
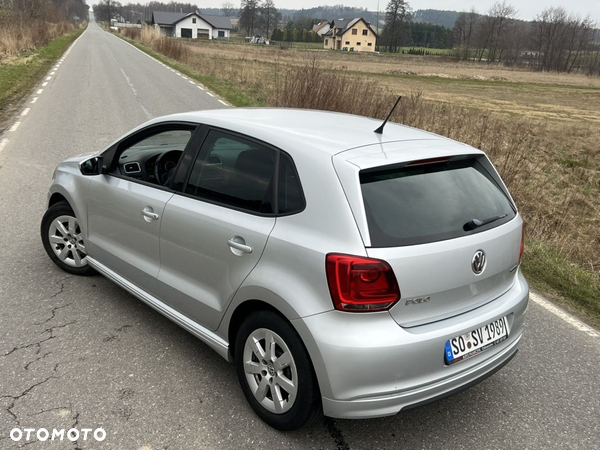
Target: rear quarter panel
column 290, row 275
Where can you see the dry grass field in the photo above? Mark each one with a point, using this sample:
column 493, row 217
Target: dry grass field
column 542, row 130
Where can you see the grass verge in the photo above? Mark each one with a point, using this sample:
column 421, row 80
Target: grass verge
column 20, row 74
column 228, row 90
column 577, row 290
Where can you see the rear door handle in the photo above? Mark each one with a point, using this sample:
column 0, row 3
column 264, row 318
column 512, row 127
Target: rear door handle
column 149, row 214
column 241, row 246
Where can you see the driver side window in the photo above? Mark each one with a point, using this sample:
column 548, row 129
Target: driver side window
column 154, row 158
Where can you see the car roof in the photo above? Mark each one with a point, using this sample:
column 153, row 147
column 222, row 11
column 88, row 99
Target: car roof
column 303, row 129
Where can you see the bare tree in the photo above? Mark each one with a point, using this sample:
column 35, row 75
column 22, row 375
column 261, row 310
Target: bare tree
column 395, row 14
column 502, row 15
column 269, row 17
column 227, row 9
column 249, row 16
column 105, row 10
column 463, row 33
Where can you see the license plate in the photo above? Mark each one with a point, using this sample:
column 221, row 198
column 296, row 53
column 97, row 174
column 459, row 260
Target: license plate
column 468, row 345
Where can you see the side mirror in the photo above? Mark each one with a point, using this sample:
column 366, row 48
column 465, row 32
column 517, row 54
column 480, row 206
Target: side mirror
column 92, row 166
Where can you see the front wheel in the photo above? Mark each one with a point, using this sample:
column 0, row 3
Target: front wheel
column 275, row 372
column 63, row 241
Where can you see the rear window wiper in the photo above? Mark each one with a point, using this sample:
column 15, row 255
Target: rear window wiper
column 476, row 223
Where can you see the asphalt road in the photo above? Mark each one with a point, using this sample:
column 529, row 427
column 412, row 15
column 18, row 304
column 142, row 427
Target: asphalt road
column 82, row 352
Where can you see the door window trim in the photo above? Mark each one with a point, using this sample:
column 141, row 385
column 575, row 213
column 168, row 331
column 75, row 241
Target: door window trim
column 204, row 132
column 112, row 154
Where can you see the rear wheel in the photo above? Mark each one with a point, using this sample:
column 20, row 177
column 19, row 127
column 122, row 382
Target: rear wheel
column 276, row 373
column 63, row 240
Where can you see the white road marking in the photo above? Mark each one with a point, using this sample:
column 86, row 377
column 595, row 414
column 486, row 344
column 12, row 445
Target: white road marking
column 39, row 91
column 52, row 73
column 45, row 83
column 576, row 323
column 25, row 111
column 34, row 99
column 15, row 126
column 3, row 143
column 48, row 79
column 165, row 65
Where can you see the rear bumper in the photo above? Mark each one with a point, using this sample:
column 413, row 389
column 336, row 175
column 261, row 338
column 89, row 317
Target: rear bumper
column 369, row 366
column 390, row 405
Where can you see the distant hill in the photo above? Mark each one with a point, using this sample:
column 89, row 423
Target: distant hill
column 432, row 16
column 436, row 17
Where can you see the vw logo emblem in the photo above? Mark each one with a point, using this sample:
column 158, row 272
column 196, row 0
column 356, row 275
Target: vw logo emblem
column 478, row 262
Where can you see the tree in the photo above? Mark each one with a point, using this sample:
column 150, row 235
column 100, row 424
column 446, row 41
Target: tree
column 492, row 30
column 286, row 35
column 269, row 16
column 463, row 33
column 106, row 10
column 277, row 35
column 559, row 39
column 227, row 8
column 295, row 35
column 249, row 16
column 395, row 14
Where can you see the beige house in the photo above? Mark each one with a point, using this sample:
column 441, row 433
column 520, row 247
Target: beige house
column 321, row 28
column 350, row 35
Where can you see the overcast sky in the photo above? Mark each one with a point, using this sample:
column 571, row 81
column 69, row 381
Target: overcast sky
column 527, row 9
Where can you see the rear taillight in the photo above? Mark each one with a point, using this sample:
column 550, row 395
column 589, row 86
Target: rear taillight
column 361, row 284
column 522, row 242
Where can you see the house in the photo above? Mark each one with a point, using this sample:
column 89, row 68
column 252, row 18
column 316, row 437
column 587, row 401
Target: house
column 321, row 28
column 192, row 25
column 351, row 35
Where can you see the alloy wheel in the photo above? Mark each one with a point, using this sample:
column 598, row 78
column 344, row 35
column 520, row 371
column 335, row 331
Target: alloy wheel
column 66, row 241
column 270, row 370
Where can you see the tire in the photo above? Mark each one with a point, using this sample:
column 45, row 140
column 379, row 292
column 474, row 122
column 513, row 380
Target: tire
column 279, row 407
column 62, row 240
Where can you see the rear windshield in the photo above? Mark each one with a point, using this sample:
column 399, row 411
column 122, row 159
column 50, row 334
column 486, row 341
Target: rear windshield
column 432, row 202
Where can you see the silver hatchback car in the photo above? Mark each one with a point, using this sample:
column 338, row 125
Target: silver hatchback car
column 345, row 272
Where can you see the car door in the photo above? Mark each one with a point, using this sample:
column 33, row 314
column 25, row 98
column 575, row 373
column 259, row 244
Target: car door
column 215, row 230
column 125, row 205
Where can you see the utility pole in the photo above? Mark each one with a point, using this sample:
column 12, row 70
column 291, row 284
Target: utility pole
column 377, row 41
column 377, row 17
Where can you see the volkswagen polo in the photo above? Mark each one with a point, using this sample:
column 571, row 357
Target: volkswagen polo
column 346, row 270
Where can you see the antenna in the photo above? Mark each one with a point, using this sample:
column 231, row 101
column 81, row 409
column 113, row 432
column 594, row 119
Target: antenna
column 380, row 129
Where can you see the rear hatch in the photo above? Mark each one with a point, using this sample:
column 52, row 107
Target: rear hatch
column 427, row 208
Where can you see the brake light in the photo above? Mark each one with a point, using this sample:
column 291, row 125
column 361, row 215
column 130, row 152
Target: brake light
column 361, row 284
column 424, row 162
column 522, row 242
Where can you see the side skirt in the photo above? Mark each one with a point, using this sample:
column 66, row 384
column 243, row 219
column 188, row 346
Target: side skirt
column 214, row 341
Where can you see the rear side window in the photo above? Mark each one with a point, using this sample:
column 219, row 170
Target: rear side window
column 234, row 172
column 431, row 202
column 290, row 197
